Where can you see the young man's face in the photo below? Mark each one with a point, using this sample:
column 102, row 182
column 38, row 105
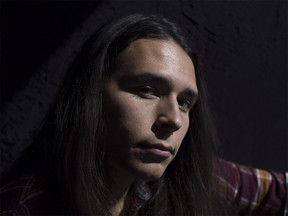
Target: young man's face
column 146, row 104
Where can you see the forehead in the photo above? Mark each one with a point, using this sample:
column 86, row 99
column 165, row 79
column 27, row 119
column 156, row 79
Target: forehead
column 163, row 58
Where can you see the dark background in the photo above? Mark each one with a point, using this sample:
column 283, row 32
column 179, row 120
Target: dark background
column 245, row 51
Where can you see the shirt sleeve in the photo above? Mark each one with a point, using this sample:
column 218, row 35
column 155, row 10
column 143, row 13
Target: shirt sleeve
column 252, row 191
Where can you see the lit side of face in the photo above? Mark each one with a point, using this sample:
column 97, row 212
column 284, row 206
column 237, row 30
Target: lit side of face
column 146, row 104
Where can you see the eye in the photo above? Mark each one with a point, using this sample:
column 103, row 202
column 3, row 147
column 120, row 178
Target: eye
column 147, row 92
column 185, row 105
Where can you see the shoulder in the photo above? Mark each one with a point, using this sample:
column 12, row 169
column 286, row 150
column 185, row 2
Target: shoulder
column 26, row 195
column 253, row 191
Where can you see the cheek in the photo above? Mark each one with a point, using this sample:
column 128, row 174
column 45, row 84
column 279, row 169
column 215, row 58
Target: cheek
column 127, row 116
column 186, row 126
column 128, row 109
column 183, row 131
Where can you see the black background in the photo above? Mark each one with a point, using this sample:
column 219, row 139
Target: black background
column 245, row 49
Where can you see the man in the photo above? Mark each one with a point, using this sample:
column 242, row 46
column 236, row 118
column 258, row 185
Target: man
column 129, row 133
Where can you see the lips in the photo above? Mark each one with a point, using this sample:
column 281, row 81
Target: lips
column 158, row 149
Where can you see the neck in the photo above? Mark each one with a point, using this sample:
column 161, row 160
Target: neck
column 118, row 195
column 119, row 184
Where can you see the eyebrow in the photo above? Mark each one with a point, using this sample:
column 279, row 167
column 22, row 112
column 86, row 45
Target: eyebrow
column 151, row 77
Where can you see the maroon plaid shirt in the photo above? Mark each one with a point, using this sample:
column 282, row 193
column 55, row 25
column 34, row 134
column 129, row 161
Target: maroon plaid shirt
column 253, row 191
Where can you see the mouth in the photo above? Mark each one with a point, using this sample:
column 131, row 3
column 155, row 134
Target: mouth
column 158, row 149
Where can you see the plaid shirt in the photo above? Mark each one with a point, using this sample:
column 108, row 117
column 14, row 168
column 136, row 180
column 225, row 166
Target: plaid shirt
column 253, row 191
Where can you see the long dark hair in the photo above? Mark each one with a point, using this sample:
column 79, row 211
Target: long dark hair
column 74, row 131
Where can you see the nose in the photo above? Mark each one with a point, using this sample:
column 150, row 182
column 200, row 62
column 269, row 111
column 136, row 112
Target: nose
column 169, row 115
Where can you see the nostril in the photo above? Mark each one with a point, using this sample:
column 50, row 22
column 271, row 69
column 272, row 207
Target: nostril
column 165, row 125
column 162, row 131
